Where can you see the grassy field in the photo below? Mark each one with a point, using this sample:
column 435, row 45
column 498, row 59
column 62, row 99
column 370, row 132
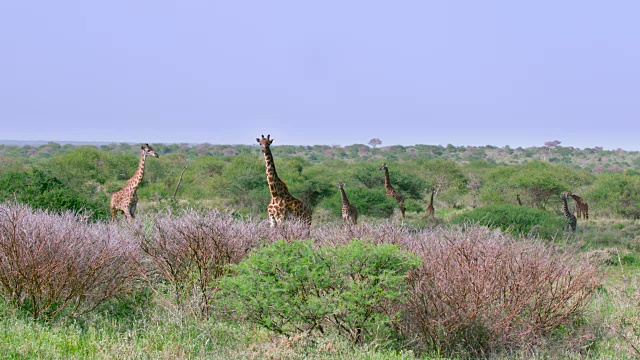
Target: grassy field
column 148, row 323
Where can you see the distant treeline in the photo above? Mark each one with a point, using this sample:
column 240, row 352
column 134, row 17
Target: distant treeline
column 233, row 177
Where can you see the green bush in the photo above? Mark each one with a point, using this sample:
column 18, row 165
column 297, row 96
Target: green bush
column 369, row 202
column 291, row 287
column 369, row 280
column 538, row 183
column 43, row 191
column 616, row 195
column 518, row 220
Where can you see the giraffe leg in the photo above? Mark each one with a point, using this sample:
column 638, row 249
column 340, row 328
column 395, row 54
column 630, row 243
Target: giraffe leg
column 127, row 212
column 113, row 213
column 132, row 210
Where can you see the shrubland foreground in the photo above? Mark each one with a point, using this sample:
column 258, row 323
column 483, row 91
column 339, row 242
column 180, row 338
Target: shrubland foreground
column 206, row 284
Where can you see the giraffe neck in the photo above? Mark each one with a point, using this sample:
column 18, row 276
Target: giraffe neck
column 277, row 187
column 431, row 201
column 577, row 198
column 345, row 201
column 387, row 182
column 136, row 179
column 565, row 208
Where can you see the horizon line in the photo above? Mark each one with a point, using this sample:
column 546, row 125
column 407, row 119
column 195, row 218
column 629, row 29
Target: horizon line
column 102, row 142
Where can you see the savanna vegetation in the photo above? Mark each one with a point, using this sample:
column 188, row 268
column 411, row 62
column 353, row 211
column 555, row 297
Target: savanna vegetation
column 199, row 273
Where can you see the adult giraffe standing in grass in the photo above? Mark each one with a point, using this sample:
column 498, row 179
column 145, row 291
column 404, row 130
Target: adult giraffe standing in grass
column 390, row 191
column 283, row 205
column 571, row 219
column 126, row 199
column 582, row 208
column 430, row 210
column 349, row 212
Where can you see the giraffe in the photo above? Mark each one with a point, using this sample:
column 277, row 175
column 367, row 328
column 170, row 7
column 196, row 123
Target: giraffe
column 571, row 219
column 518, row 199
column 430, row 211
column 283, row 205
column 391, row 191
column 126, row 199
column 582, row 208
column 349, row 212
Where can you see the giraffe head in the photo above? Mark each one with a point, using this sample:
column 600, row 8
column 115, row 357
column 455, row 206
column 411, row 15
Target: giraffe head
column 569, row 193
column 340, row 186
column 383, row 167
column 148, row 151
column 563, row 196
column 264, row 142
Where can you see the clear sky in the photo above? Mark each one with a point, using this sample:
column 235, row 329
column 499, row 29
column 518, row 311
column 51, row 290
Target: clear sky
column 472, row 72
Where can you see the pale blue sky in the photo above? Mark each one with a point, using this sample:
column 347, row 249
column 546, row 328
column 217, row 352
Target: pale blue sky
column 508, row 72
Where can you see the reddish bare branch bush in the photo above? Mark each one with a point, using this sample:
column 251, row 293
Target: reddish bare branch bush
column 61, row 265
column 380, row 233
column 192, row 250
column 479, row 291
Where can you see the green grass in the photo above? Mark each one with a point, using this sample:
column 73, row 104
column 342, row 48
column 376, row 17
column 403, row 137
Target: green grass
column 166, row 334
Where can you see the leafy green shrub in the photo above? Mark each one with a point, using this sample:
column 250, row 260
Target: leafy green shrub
column 369, row 280
column 538, row 183
column 245, row 184
column 40, row 190
column 615, row 194
column 518, row 220
column 369, row 202
column 291, row 287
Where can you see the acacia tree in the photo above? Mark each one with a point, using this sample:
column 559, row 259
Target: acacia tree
column 375, row 142
column 552, row 144
column 549, row 145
